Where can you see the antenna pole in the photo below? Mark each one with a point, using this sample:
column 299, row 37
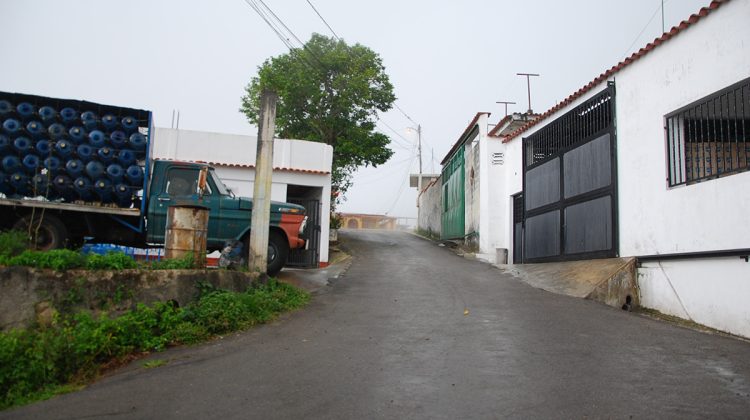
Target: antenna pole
column 506, row 105
column 528, row 86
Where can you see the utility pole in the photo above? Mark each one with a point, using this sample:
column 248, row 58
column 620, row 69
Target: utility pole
column 528, row 86
column 506, row 105
column 419, row 149
column 663, row 29
column 261, row 217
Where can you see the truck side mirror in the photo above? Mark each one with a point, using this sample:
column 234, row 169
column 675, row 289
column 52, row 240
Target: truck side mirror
column 202, row 177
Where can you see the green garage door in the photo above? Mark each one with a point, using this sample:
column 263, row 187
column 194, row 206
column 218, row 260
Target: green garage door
column 453, row 197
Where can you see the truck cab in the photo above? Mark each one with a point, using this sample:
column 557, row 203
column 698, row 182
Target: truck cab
column 177, row 183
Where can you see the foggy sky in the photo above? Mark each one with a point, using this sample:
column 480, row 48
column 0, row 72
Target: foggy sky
column 447, row 61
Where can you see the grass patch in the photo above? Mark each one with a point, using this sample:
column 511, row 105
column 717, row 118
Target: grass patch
column 39, row 363
column 154, row 363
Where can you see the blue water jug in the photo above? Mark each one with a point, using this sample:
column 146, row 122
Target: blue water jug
column 117, row 139
column 56, row 131
column 115, row 172
column 94, row 169
column 134, row 175
column 68, row 115
column 109, row 122
column 89, row 120
column 63, row 187
column 30, row 163
column 11, row 126
column 84, row 152
column 4, row 144
column 83, row 188
column 11, row 163
column 22, row 145
column 5, row 186
column 36, row 129
column 77, row 134
column 41, row 185
column 97, row 139
column 123, row 195
column 138, row 141
column 43, row 147
column 52, row 164
column 6, row 109
column 64, row 148
column 74, row 168
column 106, row 154
column 103, row 189
column 47, row 114
column 126, row 157
column 26, row 111
column 20, row 183
column 129, row 124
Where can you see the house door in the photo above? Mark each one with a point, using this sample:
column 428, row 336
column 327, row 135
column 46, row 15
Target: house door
column 569, row 185
column 309, row 256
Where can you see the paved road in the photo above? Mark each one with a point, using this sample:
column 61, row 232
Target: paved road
column 392, row 339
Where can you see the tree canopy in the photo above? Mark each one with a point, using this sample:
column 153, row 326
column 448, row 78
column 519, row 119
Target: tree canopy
column 329, row 92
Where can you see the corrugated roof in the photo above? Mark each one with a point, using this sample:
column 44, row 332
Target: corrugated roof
column 703, row 12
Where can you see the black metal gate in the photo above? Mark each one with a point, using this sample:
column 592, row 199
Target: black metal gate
column 570, row 185
column 308, row 257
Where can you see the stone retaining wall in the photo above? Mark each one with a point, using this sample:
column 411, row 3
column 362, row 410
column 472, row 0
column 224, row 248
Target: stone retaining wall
column 29, row 295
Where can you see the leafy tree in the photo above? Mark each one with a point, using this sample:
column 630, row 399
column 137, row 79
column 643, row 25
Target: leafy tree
column 329, row 92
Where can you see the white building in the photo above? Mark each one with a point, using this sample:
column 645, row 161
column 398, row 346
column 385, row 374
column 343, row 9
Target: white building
column 650, row 160
column 301, row 174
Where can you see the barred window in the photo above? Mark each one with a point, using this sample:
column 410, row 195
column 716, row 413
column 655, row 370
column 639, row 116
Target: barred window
column 710, row 138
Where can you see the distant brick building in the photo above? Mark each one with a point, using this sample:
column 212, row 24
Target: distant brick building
column 367, row 221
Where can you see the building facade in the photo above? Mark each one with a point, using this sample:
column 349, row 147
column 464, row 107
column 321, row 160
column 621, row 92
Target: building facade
column 301, row 175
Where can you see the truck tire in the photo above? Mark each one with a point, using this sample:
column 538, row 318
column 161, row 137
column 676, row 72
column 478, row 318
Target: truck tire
column 278, row 251
column 51, row 232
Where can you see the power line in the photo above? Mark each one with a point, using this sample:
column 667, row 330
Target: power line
column 644, row 28
column 401, row 189
column 324, row 21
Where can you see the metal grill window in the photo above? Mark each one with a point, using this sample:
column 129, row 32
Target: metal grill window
column 586, row 120
column 710, row 138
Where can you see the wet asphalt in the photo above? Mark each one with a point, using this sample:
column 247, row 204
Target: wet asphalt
column 411, row 330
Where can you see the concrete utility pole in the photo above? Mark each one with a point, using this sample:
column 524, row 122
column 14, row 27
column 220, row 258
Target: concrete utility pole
column 419, row 149
column 261, row 218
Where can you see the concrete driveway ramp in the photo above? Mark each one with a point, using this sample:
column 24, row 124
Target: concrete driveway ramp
column 611, row 281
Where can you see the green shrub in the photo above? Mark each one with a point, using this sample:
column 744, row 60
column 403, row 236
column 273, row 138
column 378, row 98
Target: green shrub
column 184, row 263
column 56, row 259
column 12, row 243
column 110, row 261
column 36, row 363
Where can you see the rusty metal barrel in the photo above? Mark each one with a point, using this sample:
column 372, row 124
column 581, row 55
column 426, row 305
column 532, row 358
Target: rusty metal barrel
column 187, row 230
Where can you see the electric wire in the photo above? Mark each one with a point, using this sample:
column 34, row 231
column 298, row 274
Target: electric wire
column 324, row 21
column 625, row 54
column 401, row 189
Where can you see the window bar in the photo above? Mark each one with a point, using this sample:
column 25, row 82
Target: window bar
column 703, row 150
column 675, row 146
column 679, row 152
column 735, row 164
column 670, row 153
column 744, row 128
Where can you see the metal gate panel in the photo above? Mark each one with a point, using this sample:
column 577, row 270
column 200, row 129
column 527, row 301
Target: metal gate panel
column 570, row 185
column 518, row 228
column 454, row 206
column 309, row 256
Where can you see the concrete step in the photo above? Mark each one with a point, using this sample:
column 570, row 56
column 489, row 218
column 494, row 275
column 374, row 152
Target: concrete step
column 611, row 281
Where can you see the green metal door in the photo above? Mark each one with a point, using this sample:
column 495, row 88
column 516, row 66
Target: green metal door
column 453, row 206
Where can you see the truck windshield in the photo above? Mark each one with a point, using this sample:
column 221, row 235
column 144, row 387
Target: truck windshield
column 222, row 189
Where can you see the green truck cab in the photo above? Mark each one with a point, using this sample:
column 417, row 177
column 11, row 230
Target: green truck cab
column 176, row 183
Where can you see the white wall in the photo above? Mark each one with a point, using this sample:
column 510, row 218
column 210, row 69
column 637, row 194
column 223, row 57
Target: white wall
column 712, row 215
column 240, row 150
column 296, row 162
column 710, row 292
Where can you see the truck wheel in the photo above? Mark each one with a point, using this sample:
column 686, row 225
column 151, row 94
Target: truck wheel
column 278, row 250
column 49, row 234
